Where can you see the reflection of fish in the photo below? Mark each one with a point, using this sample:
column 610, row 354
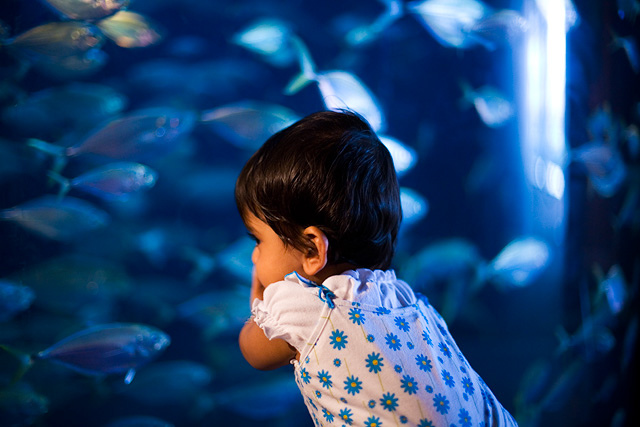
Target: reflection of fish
column 83, row 10
column 248, row 124
column 108, row 349
column 57, row 219
column 129, row 29
column 14, row 298
column 114, row 181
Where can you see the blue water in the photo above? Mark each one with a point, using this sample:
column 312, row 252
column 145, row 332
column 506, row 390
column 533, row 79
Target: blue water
column 174, row 255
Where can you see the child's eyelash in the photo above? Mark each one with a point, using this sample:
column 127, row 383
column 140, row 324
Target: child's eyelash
column 254, row 238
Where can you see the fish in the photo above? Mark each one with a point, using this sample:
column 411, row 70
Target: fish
column 630, row 48
column 270, row 38
column 52, row 111
column 450, row 21
column 73, row 66
column 628, row 9
column 365, row 34
column 14, row 298
column 505, row 26
column 139, row 421
column 55, row 219
column 131, row 30
column 83, row 10
column 247, row 124
column 21, row 405
column 519, row 263
column 217, row 312
column 113, row 181
column 168, row 383
column 492, row 107
column 75, row 284
column 339, row 89
column 112, row 348
column 604, row 165
column 56, row 40
column 138, row 135
column 414, row 206
column 404, row 157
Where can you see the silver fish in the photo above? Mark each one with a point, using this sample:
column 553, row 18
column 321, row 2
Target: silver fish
column 56, row 40
column 113, row 181
column 14, row 298
column 247, row 124
column 130, row 30
column 404, row 157
column 83, row 10
column 364, row 34
column 57, row 219
column 492, row 107
column 414, row 206
column 519, row 263
column 604, row 165
column 112, row 348
column 269, row 38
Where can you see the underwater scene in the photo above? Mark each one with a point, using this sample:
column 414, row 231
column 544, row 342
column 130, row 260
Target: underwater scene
column 125, row 268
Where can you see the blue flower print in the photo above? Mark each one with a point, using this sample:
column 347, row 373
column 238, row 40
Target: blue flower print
column 373, row 422
column 305, row 376
column 389, row 401
column 337, row 362
column 425, row 423
column 441, row 403
column 372, row 403
column 403, row 419
column 338, row 339
column 345, row 415
column 427, row 338
column 325, row 379
column 382, row 310
column 463, row 369
column 343, row 400
column 410, row 345
column 356, row 316
column 465, row 418
column 393, row 341
column 353, row 385
column 443, row 331
column 318, row 394
column 429, row 389
column 447, row 378
column 374, row 362
column 467, row 385
column 371, row 338
column 445, row 350
column 401, row 324
column 327, row 415
column 397, row 368
column 312, row 404
column 409, row 384
column 423, row 362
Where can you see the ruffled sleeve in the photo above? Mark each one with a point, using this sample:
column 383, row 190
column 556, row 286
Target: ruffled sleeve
column 290, row 311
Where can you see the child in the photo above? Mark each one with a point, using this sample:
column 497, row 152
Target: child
column 322, row 201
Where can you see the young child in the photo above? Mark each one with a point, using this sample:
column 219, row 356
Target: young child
column 321, row 198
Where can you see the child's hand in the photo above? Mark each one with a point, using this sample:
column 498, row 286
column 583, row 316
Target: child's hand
column 257, row 289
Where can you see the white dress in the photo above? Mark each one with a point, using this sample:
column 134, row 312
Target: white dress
column 373, row 354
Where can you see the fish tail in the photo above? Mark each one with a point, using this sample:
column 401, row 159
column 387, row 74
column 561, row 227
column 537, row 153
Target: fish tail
column 65, row 184
column 296, row 84
column 46, row 147
column 307, row 66
column 24, row 361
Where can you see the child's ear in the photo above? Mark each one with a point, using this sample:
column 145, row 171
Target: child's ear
column 316, row 257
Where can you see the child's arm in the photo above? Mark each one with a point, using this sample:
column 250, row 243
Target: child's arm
column 261, row 352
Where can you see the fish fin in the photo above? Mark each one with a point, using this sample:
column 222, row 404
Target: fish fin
column 129, row 377
column 46, row 147
column 295, row 85
column 24, row 361
column 307, row 67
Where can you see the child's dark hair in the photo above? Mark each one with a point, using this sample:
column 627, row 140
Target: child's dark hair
column 331, row 171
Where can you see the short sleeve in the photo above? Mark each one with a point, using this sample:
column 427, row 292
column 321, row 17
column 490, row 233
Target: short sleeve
column 290, row 311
